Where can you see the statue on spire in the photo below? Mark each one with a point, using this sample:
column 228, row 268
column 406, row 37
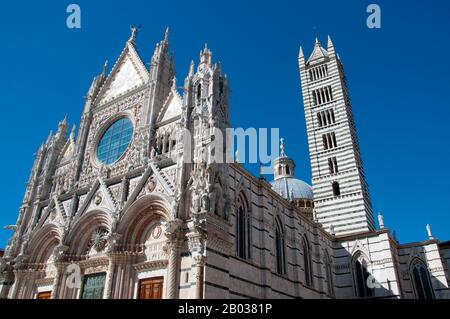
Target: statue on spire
column 134, row 31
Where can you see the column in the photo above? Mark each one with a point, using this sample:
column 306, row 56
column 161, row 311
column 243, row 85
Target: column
column 172, row 282
column 109, row 278
column 200, row 266
column 172, row 230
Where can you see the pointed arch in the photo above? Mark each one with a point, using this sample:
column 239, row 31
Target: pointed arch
column 420, row 278
column 361, row 275
column 137, row 221
column 43, row 242
column 307, row 263
column 243, row 227
column 280, row 252
column 81, row 231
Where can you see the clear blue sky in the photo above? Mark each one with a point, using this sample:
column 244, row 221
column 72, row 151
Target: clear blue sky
column 398, row 77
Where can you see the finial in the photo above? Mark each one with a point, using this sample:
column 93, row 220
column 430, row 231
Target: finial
column 381, row 220
column 282, row 148
column 300, row 53
column 430, row 234
column 394, row 235
column 166, row 35
column 174, row 83
column 191, row 69
column 330, row 43
column 72, row 133
column 105, row 67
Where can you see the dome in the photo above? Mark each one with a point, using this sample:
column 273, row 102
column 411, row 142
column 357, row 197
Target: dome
column 292, row 188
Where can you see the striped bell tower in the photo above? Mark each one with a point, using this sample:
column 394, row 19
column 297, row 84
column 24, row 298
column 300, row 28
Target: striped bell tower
column 341, row 195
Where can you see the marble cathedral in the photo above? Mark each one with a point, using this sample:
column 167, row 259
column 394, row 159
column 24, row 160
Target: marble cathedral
column 116, row 212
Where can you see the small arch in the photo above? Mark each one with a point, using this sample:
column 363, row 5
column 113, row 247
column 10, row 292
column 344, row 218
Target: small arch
column 280, row 247
column 307, row 265
column 243, row 227
column 361, row 275
column 420, row 279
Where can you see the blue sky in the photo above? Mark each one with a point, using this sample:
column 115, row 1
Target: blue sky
column 398, row 77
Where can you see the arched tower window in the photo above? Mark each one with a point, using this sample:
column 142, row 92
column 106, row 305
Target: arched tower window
column 421, row 280
column 361, row 275
column 307, row 262
column 242, row 229
column 336, row 189
column 279, row 248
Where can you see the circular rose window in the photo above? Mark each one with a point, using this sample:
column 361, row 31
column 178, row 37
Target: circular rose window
column 115, row 141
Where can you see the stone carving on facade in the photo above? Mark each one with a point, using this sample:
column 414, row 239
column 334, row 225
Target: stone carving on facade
column 99, row 240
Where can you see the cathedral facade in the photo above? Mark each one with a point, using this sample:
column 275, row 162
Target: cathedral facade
column 117, row 211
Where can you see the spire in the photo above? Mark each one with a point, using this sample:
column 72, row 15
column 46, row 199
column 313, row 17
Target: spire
column 330, row 47
column 166, row 35
column 300, row 53
column 105, row 68
column 174, row 83
column 191, row 69
column 206, row 55
column 72, row 133
column 49, row 138
column 330, row 43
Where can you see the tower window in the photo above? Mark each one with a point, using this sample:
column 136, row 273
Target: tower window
column 336, row 189
column 329, row 141
column 323, row 95
column 332, row 164
column 318, row 72
column 325, row 118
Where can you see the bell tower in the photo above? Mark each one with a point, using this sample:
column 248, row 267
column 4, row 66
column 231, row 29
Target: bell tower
column 341, row 193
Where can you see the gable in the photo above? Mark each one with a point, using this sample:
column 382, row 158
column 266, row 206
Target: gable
column 172, row 107
column 128, row 74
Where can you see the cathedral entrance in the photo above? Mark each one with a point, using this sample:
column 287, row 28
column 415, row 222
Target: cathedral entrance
column 44, row 295
column 151, row 288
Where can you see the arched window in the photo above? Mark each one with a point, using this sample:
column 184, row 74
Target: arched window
column 307, row 262
column 361, row 275
column 279, row 248
column 329, row 274
column 336, row 189
column 421, row 280
column 288, row 172
column 199, row 91
column 242, row 229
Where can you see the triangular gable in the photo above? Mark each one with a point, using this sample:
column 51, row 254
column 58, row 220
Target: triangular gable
column 172, row 107
column 99, row 198
column 60, row 215
column 318, row 53
column 128, row 73
column 67, row 151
